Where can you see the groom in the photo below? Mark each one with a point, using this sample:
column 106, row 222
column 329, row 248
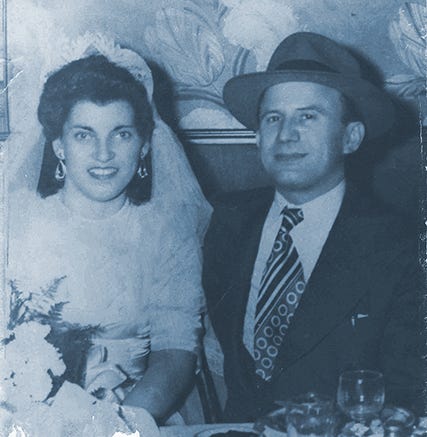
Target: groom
column 311, row 277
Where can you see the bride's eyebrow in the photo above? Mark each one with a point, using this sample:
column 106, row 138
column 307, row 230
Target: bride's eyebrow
column 124, row 126
column 80, row 126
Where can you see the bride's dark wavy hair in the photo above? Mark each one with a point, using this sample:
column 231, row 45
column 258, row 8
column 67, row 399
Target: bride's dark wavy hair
column 100, row 81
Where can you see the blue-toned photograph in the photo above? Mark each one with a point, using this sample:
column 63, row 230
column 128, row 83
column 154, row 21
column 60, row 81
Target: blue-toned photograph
column 213, row 218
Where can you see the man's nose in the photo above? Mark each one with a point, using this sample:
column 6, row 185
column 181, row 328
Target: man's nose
column 104, row 150
column 288, row 130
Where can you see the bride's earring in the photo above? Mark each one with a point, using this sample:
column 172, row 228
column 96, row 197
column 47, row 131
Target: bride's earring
column 142, row 169
column 60, row 171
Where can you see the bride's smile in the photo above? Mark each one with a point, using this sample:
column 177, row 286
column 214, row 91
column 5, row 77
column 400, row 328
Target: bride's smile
column 102, row 173
column 101, row 148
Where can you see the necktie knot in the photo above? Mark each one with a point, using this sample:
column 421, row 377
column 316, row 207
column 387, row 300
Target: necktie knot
column 291, row 217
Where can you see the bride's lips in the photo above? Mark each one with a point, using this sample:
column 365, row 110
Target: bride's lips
column 103, row 173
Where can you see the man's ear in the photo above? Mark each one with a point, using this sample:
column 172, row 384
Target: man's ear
column 353, row 137
column 58, row 149
column 257, row 138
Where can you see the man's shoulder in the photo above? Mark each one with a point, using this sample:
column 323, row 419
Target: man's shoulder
column 386, row 222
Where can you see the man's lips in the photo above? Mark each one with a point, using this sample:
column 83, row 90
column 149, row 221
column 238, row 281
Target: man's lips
column 289, row 157
column 102, row 173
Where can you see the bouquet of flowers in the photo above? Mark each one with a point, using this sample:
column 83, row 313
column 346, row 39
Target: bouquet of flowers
column 36, row 394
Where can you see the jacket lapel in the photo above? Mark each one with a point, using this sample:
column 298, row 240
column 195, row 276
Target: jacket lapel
column 334, row 286
column 248, row 223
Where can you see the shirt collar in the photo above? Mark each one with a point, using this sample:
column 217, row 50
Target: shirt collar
column 329, row 201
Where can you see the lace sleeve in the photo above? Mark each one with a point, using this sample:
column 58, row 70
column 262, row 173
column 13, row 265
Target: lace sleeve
column 177, row 300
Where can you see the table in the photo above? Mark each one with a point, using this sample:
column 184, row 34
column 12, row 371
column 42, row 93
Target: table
column 192, row 430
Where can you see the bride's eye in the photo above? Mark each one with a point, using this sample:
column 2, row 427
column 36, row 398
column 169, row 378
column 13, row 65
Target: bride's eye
column 125, row 135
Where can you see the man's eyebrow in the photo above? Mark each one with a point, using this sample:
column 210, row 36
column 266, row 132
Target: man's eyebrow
column 316, row 108
column 268, row 111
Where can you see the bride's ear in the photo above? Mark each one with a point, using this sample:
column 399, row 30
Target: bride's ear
column 145, row 149
column 58, row 149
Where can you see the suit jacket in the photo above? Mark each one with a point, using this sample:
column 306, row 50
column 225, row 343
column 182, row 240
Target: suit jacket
column 361, row 307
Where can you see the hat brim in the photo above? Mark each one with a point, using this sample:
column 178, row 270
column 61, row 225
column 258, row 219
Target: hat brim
column 242, row 96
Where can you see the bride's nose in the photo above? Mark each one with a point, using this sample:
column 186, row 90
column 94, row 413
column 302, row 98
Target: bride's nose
column 103, row 151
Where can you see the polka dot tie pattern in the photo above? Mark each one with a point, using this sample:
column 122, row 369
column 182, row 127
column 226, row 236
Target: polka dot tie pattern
column 281, row 288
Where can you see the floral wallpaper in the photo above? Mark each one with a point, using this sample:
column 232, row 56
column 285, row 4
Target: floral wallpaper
column 198, row 45
column 201, row 44
column 408, row 34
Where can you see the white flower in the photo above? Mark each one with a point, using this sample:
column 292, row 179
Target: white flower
column 25, row 364
column 17, row 431
column 30, row 337
column 259, row 26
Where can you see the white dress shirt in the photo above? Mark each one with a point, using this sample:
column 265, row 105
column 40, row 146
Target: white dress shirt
column 309, row 236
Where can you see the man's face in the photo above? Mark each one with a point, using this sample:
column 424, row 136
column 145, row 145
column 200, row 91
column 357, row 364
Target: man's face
column 302, row 139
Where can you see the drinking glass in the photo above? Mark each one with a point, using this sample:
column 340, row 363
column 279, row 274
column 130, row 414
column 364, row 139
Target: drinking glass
column 311, row 415
column 361, row 394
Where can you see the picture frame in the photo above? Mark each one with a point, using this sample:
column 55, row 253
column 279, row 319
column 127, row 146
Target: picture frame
column 218, row 136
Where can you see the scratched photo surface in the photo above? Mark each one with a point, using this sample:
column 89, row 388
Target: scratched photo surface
column 90, row 291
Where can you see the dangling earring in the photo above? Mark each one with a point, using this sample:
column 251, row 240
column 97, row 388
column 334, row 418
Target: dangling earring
column 142, row 169
column 60, row 171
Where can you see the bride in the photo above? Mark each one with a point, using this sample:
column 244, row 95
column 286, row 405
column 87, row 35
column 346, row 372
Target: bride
column 107, row 248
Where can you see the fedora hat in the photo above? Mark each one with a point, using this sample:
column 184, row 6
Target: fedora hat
column 309, row 57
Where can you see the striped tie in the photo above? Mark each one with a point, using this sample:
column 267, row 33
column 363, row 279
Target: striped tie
column 281, row 288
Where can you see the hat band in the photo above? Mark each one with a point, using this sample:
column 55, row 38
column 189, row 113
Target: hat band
column 304, row 64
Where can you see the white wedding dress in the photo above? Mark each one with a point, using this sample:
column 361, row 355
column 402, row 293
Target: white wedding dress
column 124, row 285
column 134, row 277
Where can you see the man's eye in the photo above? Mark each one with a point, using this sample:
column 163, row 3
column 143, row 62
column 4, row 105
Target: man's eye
column 307, row 116
column 272, row 118
column 81, row 136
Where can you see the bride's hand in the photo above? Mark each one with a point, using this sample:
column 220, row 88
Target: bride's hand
column 103, row 378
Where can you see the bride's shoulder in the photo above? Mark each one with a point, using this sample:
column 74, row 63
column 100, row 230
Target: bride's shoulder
column 172, row 223
column 160, row 213
column 151, row 215
column 156, row 221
